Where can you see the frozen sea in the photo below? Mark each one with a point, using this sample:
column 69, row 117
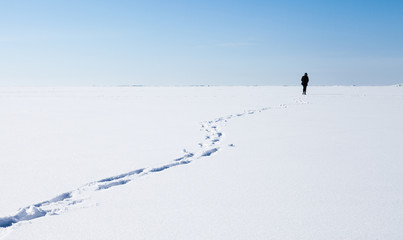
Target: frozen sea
column 201, row 163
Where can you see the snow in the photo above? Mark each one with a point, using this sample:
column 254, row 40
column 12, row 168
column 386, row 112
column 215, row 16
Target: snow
column 201, row 163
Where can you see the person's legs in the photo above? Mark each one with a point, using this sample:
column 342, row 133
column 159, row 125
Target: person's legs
column 304, row 90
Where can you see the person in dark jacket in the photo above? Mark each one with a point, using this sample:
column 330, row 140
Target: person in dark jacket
column 304, row 83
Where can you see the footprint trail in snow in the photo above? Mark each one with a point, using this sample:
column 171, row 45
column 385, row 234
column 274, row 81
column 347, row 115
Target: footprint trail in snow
column 76, row 198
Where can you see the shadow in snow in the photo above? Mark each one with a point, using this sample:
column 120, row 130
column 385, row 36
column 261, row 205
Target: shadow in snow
column 65, row 201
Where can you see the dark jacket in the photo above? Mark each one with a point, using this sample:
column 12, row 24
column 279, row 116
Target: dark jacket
column 304, row 80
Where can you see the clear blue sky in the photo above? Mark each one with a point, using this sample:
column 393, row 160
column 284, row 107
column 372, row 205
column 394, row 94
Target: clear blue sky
column 151, row 42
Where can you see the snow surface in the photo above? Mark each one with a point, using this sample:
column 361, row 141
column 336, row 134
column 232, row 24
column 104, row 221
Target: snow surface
column 201, row 163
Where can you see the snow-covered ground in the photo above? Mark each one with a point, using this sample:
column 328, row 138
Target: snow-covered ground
column 201, row 163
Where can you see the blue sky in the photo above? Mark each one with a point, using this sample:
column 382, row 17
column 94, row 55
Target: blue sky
column 73, row 43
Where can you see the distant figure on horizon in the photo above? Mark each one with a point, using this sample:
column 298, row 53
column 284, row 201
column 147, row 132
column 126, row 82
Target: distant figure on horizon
column 304, row 83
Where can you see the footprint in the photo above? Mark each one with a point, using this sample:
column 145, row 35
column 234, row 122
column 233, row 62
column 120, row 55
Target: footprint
column 67, row 200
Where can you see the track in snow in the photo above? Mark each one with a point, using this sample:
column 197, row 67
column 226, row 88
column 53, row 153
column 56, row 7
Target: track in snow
column 72, row 199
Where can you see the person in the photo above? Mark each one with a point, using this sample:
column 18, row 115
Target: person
column 304, row 83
